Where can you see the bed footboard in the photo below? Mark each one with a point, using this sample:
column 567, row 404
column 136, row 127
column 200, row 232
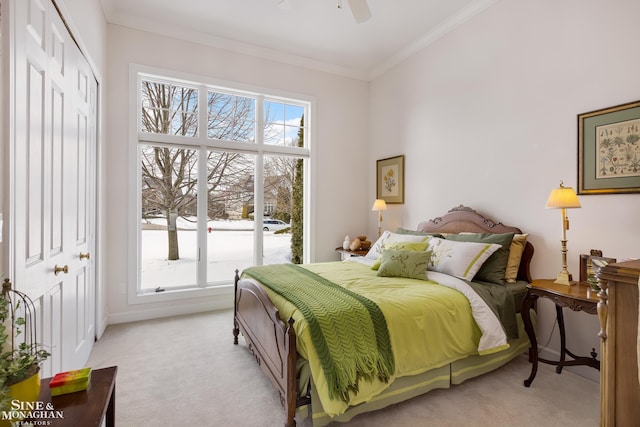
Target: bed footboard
column 271, row 341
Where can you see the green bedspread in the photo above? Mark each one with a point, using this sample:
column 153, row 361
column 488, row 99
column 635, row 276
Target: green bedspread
column 500, row 300
column 348, row 331
column 429, row 326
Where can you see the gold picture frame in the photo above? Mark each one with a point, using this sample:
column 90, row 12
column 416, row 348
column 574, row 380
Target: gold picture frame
column 609, row 150
column 390, row 179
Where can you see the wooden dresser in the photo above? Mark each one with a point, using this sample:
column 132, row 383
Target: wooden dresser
column 618, row 313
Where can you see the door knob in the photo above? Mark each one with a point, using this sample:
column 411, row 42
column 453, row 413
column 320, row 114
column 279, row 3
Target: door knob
column 85, row 256
column 57, row 269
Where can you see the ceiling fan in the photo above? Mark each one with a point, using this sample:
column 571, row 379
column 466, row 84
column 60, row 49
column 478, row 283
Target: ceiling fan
column 359, row 8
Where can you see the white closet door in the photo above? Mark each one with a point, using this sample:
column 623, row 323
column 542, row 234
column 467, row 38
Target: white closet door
column 81, row 213
column 53, row 181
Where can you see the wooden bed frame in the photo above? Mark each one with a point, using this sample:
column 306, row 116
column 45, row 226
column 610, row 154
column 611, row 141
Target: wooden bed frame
column 273, row 341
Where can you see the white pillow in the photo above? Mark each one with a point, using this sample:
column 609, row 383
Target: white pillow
column 388, row 237
column 459, row 259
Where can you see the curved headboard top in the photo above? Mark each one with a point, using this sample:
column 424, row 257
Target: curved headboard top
column 464, row 219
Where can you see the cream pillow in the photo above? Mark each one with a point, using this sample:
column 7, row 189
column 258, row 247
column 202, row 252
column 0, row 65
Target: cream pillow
column 459, row 259
column 515, row 256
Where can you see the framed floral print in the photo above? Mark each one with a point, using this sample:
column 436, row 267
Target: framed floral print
column 609, row 150
column 390, row 179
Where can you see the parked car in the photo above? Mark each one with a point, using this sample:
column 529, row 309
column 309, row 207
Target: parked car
column 274, row 225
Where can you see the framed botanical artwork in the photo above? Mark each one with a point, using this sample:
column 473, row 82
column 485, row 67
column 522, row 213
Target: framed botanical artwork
column 609, row 150
column 390, row 179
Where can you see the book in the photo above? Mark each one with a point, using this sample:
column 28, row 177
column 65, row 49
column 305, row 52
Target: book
column 70, row 381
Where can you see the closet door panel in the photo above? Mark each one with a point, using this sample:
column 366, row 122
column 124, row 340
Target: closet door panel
column 53, row 180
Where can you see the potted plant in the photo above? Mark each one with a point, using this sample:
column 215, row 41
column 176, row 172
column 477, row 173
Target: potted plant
column 20, row 354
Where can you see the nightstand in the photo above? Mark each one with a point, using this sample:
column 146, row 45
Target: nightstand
column 347, row 253
column 578, row 297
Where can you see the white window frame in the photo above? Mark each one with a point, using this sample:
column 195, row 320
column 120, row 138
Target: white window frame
column 136, row 137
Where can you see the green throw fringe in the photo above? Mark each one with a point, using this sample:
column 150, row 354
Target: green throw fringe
column 348, row 331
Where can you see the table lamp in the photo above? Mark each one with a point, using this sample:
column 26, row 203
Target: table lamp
column 563, row 198
column 379, row 205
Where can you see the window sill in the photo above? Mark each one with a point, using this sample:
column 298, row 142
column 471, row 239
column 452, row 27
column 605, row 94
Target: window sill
column 136, row 297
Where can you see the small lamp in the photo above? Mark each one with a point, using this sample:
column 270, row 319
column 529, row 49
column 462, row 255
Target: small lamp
column 379, row 205
column 563, row 198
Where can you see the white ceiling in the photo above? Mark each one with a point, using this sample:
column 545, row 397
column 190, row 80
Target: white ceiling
column 310, row 33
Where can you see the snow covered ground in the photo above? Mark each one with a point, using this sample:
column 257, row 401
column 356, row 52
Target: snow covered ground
column 230, row 247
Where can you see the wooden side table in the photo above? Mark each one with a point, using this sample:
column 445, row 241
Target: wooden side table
column 347, row 253
column 577, row 297
column 86, row 408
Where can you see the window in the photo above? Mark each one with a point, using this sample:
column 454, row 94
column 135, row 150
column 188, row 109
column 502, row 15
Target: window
column 208, row 203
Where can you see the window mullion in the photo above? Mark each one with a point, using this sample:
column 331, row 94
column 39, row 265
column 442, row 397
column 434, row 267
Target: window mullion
column 203, row 193
column 258, row 187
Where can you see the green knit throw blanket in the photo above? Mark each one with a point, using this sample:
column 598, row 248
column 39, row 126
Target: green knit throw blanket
column 348, row 331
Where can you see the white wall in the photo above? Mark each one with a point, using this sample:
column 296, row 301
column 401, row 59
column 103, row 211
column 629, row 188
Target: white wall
column 487, row 117
column 340, row 151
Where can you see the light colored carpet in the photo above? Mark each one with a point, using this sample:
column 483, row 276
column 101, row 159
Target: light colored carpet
column 185, row 371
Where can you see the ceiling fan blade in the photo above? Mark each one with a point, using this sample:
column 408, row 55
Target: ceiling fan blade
column 360, row 10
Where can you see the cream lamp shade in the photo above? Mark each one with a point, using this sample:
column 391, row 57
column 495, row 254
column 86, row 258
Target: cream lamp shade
column 563, row 198
column 379, row 205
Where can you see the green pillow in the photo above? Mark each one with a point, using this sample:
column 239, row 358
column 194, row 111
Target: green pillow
column 494, row 268
column 400, row 246
column 410, row 264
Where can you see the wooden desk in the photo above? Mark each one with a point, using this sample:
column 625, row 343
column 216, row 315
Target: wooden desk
column 84, row 408
column 578, row 297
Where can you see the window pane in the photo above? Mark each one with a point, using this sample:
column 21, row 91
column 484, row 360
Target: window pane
column 273, row 112
column 293, row 114
column 169, row 109
column 169, row 249
column 230, row 209
column 282, row 123
column 230, row 117
column 279, row 179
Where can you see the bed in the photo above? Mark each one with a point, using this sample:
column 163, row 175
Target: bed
column 276, row 333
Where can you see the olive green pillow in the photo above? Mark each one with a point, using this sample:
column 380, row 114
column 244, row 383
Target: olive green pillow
column 410, row 264
column 494, row 268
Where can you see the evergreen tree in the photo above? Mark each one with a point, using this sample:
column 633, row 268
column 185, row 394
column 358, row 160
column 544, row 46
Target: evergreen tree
column 297, row 204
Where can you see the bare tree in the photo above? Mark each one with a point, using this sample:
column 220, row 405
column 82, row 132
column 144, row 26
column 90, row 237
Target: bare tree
column 169, row 175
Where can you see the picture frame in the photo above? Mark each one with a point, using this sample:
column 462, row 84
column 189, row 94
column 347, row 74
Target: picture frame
column 390, row 179
column 609, row 150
